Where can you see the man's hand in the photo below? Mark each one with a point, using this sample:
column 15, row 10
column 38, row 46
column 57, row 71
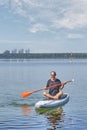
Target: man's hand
column 62, row 85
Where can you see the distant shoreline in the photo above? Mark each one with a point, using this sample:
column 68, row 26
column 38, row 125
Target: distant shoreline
column 43, row 56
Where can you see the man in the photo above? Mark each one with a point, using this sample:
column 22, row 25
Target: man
column 54, row 92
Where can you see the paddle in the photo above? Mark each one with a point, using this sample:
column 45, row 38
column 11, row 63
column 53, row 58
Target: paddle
column 26, row 94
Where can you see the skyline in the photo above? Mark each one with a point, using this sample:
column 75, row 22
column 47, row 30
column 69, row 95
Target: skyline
column 43, row 26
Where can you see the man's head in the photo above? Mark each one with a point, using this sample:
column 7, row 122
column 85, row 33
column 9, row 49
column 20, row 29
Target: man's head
column 53, row 73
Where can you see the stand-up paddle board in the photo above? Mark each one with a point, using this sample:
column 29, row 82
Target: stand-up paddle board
column 53, row 103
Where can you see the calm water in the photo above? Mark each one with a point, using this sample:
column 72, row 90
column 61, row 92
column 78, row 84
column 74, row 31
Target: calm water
column 17, row 76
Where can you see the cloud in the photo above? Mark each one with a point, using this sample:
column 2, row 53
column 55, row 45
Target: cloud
column 38, row 27
column 74, row 36
column 74, row 15
column 69, row 14
column 73, row 21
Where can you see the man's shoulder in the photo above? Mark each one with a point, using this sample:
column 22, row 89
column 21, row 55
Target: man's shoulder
column 49, row 80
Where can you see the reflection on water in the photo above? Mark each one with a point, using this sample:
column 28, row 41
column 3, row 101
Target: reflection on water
column 54, row 116
column 26, row 109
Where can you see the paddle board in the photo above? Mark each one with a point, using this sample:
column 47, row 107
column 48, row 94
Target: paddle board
column 53, row 103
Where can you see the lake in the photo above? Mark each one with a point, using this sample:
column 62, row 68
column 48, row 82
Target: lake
column 17, row 76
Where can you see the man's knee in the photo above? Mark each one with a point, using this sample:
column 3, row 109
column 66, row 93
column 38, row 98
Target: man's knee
column 57, row 96
column 61, row 93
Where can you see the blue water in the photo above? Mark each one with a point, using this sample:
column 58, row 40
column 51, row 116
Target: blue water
column 17, row 76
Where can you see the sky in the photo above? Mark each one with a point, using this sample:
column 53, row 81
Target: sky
column 43, row 26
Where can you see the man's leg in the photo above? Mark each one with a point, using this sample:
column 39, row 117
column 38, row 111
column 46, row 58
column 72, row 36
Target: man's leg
column 48, row 95
column 57, row 96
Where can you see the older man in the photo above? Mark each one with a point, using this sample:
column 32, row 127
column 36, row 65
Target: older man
column 54, row 92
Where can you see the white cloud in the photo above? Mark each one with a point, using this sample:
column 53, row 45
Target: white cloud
column 38, row 27
column 75, row 16
column 72, row 21
column 69, row 14
column 74, row 36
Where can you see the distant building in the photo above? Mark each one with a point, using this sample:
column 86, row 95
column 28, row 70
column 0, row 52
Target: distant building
column 14, row 51
column 6, row 52
column 27, row 51
column 21, row 51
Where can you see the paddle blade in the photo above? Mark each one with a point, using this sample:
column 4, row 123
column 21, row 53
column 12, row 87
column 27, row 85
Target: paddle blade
column 25, row 94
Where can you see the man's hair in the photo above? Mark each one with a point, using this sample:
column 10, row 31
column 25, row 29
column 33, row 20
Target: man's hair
column 53, row 72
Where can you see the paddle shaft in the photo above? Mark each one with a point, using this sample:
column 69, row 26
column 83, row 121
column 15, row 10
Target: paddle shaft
column 55, row 85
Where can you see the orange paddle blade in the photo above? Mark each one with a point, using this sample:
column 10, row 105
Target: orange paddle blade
column 25, row 94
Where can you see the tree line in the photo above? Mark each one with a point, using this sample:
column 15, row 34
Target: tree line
column 43, row 56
